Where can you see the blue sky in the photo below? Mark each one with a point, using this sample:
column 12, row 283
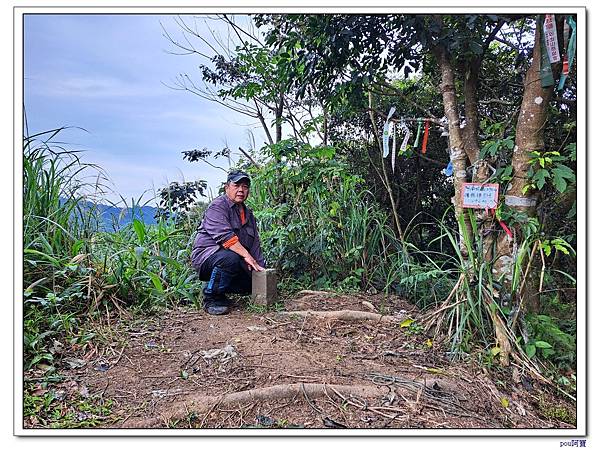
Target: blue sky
column 106, row 74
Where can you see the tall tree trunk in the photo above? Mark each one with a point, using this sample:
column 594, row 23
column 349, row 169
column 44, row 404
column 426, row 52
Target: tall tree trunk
column 458, row 156
column 470, row 131
column 529, row 137
column 464, row 149
column 481, row 171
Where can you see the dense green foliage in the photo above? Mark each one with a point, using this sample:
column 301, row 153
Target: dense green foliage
column 320, row 226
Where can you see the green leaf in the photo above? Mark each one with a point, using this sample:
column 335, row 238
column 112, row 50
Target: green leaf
column 547, row 352
column 504, row 402
column 560, row 175
column 530, row 350
column 539, row 178
column 140, row 230
column 546, row 247
column 494, row 148
column 564, row 172
column 76, row 247
column 542, row 344
column 52, row 259
column 495, row 350
column 560, row 248
column 169, row 261
column 559, row 183
column 572, row 149
column 573, row 211
column 406, row 323
column 156, row 282
column 324, row 152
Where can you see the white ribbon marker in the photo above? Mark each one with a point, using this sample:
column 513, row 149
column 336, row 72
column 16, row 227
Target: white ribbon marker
column 386, row 132
column 393, row 131
column 405, row 140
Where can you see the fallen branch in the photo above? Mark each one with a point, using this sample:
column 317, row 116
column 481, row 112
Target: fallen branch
column 344, row 315
column 201, row 403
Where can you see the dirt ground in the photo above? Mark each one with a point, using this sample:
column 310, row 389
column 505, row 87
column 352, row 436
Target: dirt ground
column 263, row 369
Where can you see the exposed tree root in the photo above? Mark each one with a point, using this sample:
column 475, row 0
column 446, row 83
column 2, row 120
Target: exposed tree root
column 205, row 404
column 344, row 315
column 310, row 292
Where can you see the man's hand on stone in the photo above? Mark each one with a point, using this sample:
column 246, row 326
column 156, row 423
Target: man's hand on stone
column 252, row 264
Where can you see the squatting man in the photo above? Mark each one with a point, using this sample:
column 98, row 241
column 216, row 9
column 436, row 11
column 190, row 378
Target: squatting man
column 227, row 247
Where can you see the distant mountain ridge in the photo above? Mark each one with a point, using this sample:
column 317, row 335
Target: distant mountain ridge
column 111, row 218
column 116, row 218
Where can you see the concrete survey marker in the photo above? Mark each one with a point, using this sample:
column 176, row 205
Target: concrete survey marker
column 264, row 287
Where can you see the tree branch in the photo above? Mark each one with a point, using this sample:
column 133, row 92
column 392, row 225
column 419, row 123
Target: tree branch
column 247, row 155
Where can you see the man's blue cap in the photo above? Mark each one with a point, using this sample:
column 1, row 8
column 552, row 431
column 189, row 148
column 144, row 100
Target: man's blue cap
column 237, row 175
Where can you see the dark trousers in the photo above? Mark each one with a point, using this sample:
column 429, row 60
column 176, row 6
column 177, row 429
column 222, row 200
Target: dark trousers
column 226, row 272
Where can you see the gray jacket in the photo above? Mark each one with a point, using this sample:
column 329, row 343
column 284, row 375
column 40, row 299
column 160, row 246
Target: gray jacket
column 220, row 223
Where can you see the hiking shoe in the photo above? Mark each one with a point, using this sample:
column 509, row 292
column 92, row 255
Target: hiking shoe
column 217, row 310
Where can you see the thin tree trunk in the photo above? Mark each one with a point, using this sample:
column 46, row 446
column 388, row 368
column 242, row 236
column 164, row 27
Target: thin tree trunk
column 458, row 156
column 470, row 132
column 263, row 123
column 279, row 118
column 481, row 171
column 386, row 180
column 418, row 194
column 325, row 124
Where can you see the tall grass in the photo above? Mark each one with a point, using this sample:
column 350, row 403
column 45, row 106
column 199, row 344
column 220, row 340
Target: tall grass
column 53, row 220
column 474, row 297
column 55, row 241
column 74, row 270
column 147, row 264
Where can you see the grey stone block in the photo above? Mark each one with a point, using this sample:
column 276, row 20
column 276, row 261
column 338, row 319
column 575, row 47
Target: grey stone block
column 264, row 287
